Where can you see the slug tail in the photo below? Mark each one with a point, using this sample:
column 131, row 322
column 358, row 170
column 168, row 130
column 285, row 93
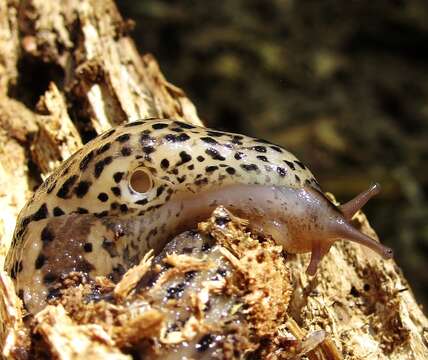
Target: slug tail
column 350, row 208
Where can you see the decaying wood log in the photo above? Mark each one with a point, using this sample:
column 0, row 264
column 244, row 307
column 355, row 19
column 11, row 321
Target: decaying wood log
column 68, row 71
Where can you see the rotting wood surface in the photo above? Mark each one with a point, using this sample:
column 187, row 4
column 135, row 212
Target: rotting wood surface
column 68, row 71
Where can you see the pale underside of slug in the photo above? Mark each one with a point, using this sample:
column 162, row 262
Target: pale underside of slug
column 134, row 187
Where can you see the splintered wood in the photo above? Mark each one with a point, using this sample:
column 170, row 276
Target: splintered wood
column 67, row 340
column 57, row 138
column 133, row 276
column 14, row 335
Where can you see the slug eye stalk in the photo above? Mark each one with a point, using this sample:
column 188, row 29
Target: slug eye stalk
column 350, row 208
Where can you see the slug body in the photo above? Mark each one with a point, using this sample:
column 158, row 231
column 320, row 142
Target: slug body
column 134, row 187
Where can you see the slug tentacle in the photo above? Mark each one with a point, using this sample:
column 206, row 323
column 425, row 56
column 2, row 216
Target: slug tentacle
column 348, row 232
column 350, row 208
column 319, row 249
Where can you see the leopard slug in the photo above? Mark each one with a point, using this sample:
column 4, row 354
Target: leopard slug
column 134, row 187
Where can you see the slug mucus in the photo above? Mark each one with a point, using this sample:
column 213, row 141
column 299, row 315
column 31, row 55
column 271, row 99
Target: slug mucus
column 134, row 187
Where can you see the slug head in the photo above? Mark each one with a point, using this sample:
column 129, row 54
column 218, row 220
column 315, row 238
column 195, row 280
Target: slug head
column 333, row 223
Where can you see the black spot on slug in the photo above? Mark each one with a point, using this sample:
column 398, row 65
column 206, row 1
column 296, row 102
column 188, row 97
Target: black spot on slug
column 101, row 214
column 103, row 148
column 210, row 169
column 209, row 140
column 40, row 214
column 185, row 157
column 134, row 123
column 164, row 164
column 160, row 190
column 214, row 153
column 249, row 167
column 102, row 197
column 184, row 125
column 174, row 292
column 189, row 275
column 82, row 188
column 200, row 158
column 290, row 165
column 215, row 133
column 239, row 155
column 202, row 181
column 81, row 210
column 87, row 247
column 108, row 160
column 26, row 221
column 117, row 273
column 205, row 343
column 230, row 170
column 142, row 202
column 99, row 166
column 177, row 138
column 49, row 278
column 148, row 149
column 300, row 164
column 53, row 293
column 40, row 261
column 281, row 171
column 276, row 148
column 206, row 246
column 123, row 138
column 126, row 151
column 57, row 211
column 236, row 139
column 159, row 126
column 145, row 139
column 86, row 160
column 262, row 158
column 183, row 137
column 118, row 176
column 259, row 148
column 116, row 190
column 66, row 186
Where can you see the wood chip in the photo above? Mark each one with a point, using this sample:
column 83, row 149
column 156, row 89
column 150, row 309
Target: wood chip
column 14, row 337
column 133, row 276
column 69, row 341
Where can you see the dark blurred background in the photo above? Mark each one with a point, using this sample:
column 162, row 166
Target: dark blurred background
column 342, row 84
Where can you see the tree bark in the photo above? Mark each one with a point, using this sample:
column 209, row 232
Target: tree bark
column 68, row 71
